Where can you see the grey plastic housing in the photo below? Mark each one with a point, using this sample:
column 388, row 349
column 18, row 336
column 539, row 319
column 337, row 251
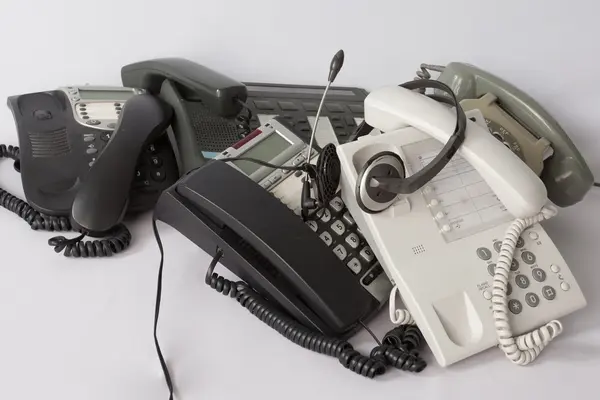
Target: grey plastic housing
column 566, row 174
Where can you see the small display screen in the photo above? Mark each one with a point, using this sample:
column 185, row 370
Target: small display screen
column 332, row 92
column 122, row 95
column 266, row 150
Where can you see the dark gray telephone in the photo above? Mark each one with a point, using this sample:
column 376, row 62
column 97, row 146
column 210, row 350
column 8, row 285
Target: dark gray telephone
column 523, row 125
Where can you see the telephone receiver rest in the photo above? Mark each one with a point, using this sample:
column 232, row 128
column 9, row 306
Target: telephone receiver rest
column 516, row 185
column 566, row 175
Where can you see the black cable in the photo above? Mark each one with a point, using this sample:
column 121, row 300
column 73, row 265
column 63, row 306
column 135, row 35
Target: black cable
column 116, row 241
column 291, row 329
column 265, row 164
column 400, row 349
column 370, row 332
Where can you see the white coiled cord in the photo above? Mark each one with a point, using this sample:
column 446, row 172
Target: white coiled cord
column 523, row 349
column 398, row 316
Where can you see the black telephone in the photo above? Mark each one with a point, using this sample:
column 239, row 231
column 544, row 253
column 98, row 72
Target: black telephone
column 90, row 154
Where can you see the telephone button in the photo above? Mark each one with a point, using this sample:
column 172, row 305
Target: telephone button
column 515, row 306
column 514, row 265
column 522, row 281
column 275, row 178
column 491, row 269
column 91, row 150
column 93, row 122
column 565, row 286
column 487, row 294
column 367, row 254
column 356, row 108
column 555, row 268
column 337, row 204
column 288, row 106
column 348, row 219
column 533, row 235
column 156, row 161
column 484, row 253
column 105, row 136
column 340, row 251
column 89, row 138
column 539, row 274
column 549, row 292
column 312, row 225
column 158, row 175
column 152, row 148
column 326, row 237
column 338, row 227
column 520, row 242
column 508, row 289
column 264, row 105
column 350, row 120
column 334, row 107
column 310, row 106
column 372, row 275
column 528, row 257
column 532, row 299
column 497, row 246
column 326, row 217
column 353, row 240
column 139, row 175
column 354, row 265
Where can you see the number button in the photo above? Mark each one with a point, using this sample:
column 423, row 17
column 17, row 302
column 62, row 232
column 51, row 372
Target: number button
column 337, row 204
column 312, row 225
column 520, row 242
column 538, row 274
column 549, row 292
column 353, row 240
column 522, row 281
column 514, row 265
column 348, row 219
column 354, row 265
column 326, row 237
column 532, row 299
column 515, row 306
column 491, row 269
column 340, row 251
column 528, row 257
column 156, row 161
column 338, row 227
column 484, row 253
column 326, row 217
column 508, row 289
column 497, row 246
column 367, row 254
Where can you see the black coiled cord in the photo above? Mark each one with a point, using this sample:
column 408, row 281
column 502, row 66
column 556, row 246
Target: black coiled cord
column 116, row 241
column 243, row 120
column 290, row 329
column 400, row 349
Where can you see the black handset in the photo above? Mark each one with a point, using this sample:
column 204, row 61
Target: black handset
column 103, row 196
column 207, row 106
column 268, row 246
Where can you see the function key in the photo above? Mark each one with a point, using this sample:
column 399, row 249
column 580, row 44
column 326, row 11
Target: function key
column 117, row 104
column 356, row 108
column 152, row 148
column 350, row 120
column 515, row 306
column 264, row 105
column 538, row 274
column 82, row 105
column 334, row 107
column 353, row 240
column 105, row 136
column 522, row 281
column 326, row 237
column 338, row 227
column 533, row 235
column 340, row 251
column 555, row 268
column 348, row 219
column 312, row 225
column 372, row 274
column 484, row 253
column 89, row 138
column 288, row 106
column 367, row 254
column 532, row 299
column 310, row 106
column 84, row 113
column 92, row 121
column 158, row 175
column 354, row 265
column 91, row 150
column 528, row 257
column 337, row 204
column 565, row 286
column 85, row 117
column 111, row 125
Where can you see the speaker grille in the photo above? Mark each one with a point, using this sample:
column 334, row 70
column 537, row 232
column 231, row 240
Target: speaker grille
column 49, row 144
column 418, row 249
column 213, row 133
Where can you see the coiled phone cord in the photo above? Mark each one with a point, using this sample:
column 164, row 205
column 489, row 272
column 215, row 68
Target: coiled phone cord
column 117, row 241
column 525, row 348
column 243, row 121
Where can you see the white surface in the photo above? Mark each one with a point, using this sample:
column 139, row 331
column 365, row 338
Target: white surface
column 81, row 329
column 392, row 107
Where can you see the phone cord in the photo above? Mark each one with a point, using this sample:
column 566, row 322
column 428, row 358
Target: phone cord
column 119, row 238
column 525, row 348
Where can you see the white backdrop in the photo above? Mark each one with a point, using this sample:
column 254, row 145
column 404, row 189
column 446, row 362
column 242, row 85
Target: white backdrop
column 81, row 329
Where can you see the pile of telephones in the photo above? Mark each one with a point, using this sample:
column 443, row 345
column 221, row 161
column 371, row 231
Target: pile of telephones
column 327, row 202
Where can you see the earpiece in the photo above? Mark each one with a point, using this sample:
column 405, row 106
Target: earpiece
column 383, row 177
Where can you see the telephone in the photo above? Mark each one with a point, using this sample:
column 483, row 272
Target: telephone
column 521, row 124
column 90, row 154
column 469, row 276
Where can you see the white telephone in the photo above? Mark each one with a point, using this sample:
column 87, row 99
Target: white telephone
column 467, row 272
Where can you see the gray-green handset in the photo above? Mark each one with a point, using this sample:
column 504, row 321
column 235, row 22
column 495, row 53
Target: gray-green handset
column 524, row 126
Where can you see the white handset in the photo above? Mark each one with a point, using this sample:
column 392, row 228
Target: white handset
column 516, row 185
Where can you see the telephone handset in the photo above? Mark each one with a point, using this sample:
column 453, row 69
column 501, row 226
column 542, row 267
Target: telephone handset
column 523, row 125
column 204, row 104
